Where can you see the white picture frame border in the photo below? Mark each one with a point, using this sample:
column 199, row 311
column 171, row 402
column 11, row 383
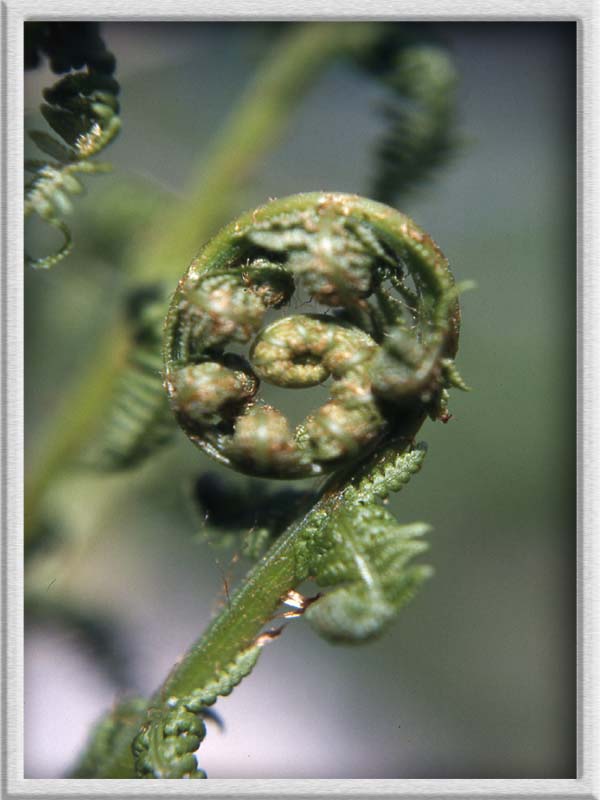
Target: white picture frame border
column 587, row 15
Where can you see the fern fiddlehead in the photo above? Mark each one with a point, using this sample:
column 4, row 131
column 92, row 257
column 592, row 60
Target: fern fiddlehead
column 387, row 336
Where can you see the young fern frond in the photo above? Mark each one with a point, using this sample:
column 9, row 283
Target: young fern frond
column 82, row 108
column 339, row 249
column 368, row 557
column 421, row 131
column 166, row 744
column 388, row 342
column 138, row 421
column 365, row 558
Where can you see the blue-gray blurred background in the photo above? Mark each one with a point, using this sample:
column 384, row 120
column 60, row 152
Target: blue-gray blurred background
column 477, row 677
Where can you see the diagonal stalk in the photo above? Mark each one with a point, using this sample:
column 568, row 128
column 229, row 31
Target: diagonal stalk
column 252, row 606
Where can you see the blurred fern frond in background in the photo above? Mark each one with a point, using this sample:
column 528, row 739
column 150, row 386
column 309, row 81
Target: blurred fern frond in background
column 81, row 108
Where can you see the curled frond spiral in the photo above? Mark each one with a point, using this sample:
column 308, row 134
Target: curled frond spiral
column 81, row 108
column 167, row 742
column 386, row 333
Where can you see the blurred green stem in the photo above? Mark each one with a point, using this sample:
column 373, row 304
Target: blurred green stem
column 249, row 133
column 72, row 424
column 247, row 136
column 236, row 628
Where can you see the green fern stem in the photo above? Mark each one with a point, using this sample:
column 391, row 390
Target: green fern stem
column 289, row 562
column 388, row 343
column 391, row 318
column 233, row 642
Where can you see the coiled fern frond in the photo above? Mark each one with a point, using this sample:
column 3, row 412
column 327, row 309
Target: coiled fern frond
column 166, row 744
column 82, row 108
column 386, row 336
column 380, row 344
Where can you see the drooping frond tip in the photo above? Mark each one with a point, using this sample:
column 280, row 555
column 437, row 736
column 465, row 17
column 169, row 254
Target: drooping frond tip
column 420, row 132
column 364, row 560
column 138, row 420
column 81, row 108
